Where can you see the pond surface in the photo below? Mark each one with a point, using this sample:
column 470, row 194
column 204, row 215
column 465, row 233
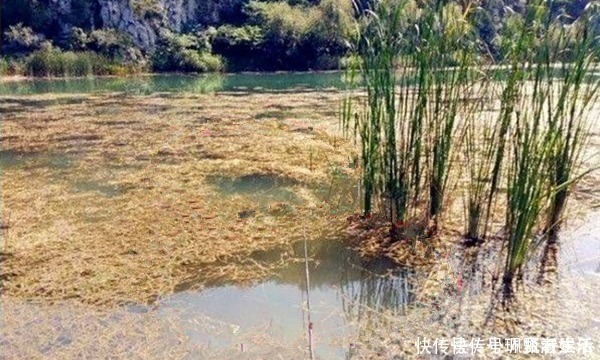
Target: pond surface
column 176, row 83
column 581, row 254
column 345, row 289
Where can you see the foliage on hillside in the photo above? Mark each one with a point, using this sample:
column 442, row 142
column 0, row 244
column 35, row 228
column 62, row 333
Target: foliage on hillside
column 211, row 35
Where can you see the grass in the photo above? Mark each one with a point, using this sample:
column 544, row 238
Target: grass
column 56, row 63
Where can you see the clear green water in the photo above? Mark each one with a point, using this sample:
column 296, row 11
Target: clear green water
column 254, row 82
column 173, row 83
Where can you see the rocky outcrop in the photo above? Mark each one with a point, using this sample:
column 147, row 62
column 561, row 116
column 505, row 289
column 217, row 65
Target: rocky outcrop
column 181, row 13
column 142, row 20
column 142, row 24
column 120, row 15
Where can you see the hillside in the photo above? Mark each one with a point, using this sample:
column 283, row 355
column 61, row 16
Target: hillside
column 198, row 35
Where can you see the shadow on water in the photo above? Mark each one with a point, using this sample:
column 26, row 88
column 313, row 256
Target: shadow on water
column 342, row 192
column 261, row 189
column 266, row 190
column 346, row 292
column 17, row 159
column 104, row 189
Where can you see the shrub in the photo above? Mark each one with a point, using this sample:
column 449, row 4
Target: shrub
column 10, row 66
column 241, row 46
column 22, row 39
column 187, row 53
column 333, row 24
column 78, row 39
column 302, row 37
column 111, row 43
column 231, row 39
column 3, row 67
column 349, row 62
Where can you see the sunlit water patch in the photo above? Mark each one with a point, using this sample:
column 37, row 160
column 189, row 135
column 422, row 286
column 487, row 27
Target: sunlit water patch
column 581, row 253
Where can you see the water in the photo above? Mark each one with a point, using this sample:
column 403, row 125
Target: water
column 581, row 254
column 17, row 159
column 175, row 83
column 345, row 289
column 262, row 190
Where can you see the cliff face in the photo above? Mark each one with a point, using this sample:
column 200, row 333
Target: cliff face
column 142, row 19
column 120, row 15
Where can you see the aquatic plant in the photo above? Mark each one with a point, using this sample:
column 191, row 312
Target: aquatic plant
column 53, row 62
column 568, row 126
column 377, row 48
column 415, row 71
column 485, row 162
column 449, row 43
column 549, row 133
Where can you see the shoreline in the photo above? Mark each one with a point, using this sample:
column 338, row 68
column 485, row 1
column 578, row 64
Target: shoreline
column 19, row 78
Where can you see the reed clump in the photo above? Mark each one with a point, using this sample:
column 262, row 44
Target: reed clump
column 550, row 130
column 415, row 70
column 428, row 89
column 56, row 63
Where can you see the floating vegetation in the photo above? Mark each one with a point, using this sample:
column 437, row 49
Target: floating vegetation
column 126, row 223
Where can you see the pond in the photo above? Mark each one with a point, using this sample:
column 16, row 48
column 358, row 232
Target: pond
column 176, row 83
column 117, row 169
column 344, row 288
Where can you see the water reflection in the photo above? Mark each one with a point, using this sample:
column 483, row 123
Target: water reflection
column 207, row 83
column 210, row 83
column 348, row 295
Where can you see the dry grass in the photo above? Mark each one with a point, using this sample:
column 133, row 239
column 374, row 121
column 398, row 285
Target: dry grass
column 115, row 199
column 126, row 206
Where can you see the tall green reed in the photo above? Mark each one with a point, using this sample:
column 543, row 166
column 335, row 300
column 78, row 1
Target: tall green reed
column 568, row 117
column 485, row 160
column 449, row 43
column 526, row 182
column 549, row 134
column 377, row 47
column 414, row 74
